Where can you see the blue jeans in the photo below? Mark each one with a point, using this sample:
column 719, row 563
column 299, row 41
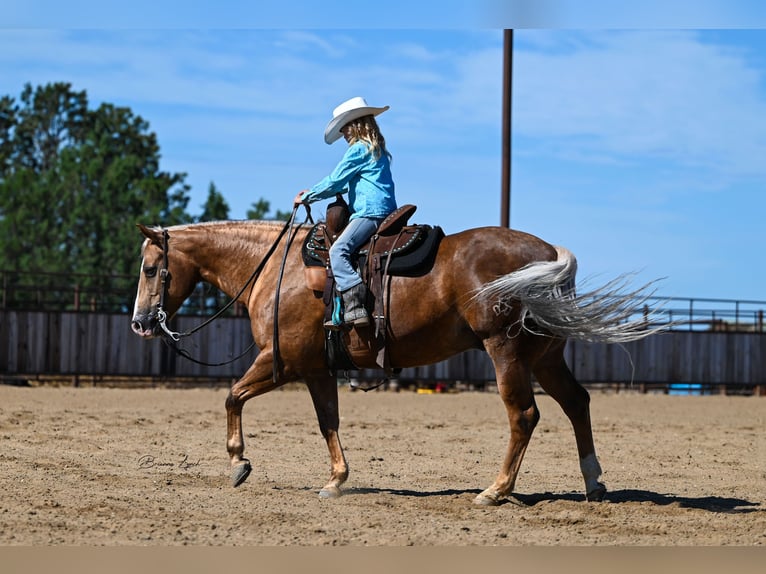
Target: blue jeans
column 357, row 232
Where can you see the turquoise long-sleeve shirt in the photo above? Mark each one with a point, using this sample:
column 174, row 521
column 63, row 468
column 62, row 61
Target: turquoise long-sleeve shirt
column 367, row 180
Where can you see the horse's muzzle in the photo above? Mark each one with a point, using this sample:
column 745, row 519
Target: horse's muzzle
column 146, row 326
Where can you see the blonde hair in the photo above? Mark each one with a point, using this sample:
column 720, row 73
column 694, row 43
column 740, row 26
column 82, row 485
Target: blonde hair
column 365, row 129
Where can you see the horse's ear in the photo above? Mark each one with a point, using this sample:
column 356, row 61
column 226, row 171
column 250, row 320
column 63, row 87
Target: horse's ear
column 154, row 235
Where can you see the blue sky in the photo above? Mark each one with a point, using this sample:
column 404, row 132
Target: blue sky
column 639, row 148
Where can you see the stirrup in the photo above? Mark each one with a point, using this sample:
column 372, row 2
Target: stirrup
column 362, row 321
column 332, row 326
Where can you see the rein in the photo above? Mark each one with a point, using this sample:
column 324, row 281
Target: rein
column 173, row 337
column 288, row 242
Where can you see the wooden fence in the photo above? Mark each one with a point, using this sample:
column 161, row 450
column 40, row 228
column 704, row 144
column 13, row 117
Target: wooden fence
column 70, row 343
column 676, row 358
column 34, row 343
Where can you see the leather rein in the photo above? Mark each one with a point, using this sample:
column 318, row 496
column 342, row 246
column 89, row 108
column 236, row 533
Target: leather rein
column 172, row 337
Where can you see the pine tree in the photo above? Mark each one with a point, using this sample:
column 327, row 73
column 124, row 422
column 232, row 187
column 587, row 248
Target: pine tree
column 215, row 207
column 73, row 184
column 260, row 210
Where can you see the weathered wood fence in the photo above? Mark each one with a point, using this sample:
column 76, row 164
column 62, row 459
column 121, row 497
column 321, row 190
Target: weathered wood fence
column 675, row 359
column 71, row 343
column 34, row 343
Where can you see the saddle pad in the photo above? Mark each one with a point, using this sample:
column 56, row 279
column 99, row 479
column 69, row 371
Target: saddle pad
column 315, row 251
column 414, row 257
column 417, row 260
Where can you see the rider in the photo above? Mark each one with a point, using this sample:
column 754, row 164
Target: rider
column 364, row 173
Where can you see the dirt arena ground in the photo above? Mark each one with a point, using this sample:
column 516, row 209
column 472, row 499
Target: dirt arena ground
column 96, row 466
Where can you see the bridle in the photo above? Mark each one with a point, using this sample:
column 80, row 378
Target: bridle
column 162, row 316
column 173, row 337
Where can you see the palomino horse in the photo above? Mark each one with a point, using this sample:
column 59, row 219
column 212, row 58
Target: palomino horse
column 500, row 290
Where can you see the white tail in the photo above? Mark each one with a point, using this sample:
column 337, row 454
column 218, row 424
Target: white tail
column 544, row 291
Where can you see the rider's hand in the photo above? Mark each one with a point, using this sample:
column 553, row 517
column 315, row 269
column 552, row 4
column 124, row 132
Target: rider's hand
column 299, row 198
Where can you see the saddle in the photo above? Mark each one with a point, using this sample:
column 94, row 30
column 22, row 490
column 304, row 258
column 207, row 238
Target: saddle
column 397, row 248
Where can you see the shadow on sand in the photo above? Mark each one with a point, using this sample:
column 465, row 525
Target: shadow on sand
column 708, row 503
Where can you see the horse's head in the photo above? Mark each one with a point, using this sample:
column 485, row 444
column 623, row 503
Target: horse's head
column 167, row 279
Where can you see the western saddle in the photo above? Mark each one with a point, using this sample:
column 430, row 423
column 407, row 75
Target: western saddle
column 396, row 248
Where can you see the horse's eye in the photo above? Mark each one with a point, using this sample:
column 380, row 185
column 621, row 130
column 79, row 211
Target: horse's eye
column 150, row 271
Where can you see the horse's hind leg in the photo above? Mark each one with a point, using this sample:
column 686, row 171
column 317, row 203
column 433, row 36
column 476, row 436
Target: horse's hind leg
column 554, row 376
column 324, row 394
column 515, row 388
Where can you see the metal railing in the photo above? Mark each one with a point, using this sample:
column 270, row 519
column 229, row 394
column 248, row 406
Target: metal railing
column 116, row 293
column 706, row 314
column 41, row 291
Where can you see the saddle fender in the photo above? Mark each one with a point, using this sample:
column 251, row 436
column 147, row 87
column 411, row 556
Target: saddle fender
column 315, row 278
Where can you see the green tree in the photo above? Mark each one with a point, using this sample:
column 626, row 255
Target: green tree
column 33, row 135
column 74, row 182
column 260, row 210
column 215, row 207
column 206, row 299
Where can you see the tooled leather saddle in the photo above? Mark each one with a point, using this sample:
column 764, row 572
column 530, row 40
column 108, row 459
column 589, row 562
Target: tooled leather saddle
column 397, row 248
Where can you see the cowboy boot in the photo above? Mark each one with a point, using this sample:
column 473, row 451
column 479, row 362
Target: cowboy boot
column 354, row 310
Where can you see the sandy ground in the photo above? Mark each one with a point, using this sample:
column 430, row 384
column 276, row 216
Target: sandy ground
column 96, row 466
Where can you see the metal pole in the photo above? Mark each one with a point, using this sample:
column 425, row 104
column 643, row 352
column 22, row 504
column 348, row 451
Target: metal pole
column 505, row 196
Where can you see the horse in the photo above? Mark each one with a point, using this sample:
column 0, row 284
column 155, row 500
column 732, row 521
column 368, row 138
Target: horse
column 501, row 290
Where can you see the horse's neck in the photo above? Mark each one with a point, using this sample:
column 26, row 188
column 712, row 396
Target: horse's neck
column 227, row 253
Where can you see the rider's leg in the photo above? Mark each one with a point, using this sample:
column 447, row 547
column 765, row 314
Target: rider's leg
column 347, row 279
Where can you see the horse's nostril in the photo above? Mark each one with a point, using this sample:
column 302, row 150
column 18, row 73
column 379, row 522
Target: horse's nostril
column 142, row 325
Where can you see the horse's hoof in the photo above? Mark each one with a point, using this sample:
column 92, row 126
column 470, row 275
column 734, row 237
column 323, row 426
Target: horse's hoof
column 487, row 499
column 330, row 492
column 240, row 473
column 597, row 494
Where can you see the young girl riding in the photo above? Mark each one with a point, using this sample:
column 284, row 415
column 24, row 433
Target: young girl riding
column 364, row 173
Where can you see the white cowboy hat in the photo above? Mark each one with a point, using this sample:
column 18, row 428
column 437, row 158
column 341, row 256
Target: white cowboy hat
column 347, row 111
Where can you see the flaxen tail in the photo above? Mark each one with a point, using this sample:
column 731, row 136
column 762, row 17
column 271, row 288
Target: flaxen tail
column 544, row 291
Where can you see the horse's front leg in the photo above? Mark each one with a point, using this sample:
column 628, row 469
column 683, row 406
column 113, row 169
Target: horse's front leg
column 324, row 394
column 257, row 380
